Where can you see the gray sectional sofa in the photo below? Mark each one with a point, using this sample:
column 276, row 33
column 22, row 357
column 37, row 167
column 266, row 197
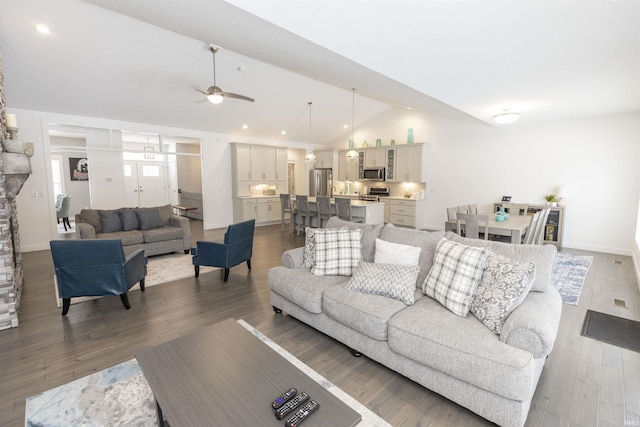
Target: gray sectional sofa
column 458, row 357
column 156, row 230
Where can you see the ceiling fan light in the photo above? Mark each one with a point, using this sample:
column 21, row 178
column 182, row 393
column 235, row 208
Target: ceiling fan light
column 352, row 156
column 506, row 117
column 215, row 98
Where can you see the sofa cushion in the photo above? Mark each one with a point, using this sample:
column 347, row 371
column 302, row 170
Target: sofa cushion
column 388, row 280
column 396, row 253
column 129, row 219
column 504, row 285
column 462, row 347
column 166, row 212
column 338, row 252
column 543, row 256
column 455, row 275
column 133, row 237
column 92, row 216
column 149, row 218
column 369, row 234
column 162, row 234
column 367, row 314
column 425, row 240
column 110, row 221
column 301, row 287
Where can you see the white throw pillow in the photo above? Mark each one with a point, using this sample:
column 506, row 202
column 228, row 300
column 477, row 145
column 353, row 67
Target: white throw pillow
column 338, row 252
column 388, row 280
column 505, row 284
column 455, row 275
column 396, row 253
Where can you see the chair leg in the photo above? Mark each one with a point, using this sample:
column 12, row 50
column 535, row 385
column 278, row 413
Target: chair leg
column 226, row 275
column 142, row 285
column 197, row 270
column 125, row 301
column 68, row 223
column 58, row 220
column 66, row 303
column 186, row 251
column 64, row 223
column 249, row 264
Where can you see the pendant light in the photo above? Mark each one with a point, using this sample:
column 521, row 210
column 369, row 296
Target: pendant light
column 310, row 157
column 352, row 155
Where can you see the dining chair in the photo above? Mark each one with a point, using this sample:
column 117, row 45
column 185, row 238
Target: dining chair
column 304, row 212
column 515, row 209
column 472, row 225
column 324, row 209
column 343, row 209
column 542, row 225
column 63, row 203
column 287, row 207
column 451, row 213
column 529, row 236
column 463, row 209
column 472, row 209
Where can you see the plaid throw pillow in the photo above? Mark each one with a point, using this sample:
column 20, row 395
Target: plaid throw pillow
column 338, row 252
column 455, row 275
column 389, row 280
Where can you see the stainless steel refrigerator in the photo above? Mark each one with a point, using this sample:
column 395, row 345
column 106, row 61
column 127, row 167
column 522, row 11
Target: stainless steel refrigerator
column 321, row 182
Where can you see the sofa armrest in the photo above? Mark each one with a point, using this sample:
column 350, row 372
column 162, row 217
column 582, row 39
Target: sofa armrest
column 293, row 258
column 533, row 325
column 85, row 231
column 183, row 223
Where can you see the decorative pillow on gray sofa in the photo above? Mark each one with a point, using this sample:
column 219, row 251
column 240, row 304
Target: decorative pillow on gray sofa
column 369, row 234
column 455, row 275
column 396, row 253
column 505, row 284
column 110, row 221
column 309, row 257
column 149, row 218
column 129, row 219
column 338, row 252
column 389, row 280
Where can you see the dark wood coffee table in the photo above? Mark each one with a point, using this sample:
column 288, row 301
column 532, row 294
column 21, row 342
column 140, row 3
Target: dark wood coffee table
column 223, row 375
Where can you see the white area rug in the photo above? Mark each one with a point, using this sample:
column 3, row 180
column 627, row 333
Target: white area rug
column 160, row 269
column 120, row 396
column 568, row 275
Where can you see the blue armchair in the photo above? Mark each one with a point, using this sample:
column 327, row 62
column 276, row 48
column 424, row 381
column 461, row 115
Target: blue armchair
column 237, row 248
column 87, row 268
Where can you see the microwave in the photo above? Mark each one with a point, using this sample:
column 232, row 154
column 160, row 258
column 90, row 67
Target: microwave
column 373, row 174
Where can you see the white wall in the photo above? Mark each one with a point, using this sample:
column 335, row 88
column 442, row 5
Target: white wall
column 36, row 215
column 473, row 162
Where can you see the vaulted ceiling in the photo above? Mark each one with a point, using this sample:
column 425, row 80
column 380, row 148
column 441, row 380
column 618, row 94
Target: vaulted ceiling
column 142, row 61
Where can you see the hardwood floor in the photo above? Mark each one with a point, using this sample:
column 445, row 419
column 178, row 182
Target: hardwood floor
column 584, row 383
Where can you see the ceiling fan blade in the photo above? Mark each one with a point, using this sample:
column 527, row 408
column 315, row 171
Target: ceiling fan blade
column 198, row 90
column 236, row 96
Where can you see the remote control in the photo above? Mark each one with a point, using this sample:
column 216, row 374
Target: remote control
column 282, row 399
column 302, row 414
column 292, row 404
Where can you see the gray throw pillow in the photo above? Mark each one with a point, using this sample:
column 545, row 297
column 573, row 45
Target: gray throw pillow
column 110, row 221
column 129, row 219
column 149, row 218
column 389, row 280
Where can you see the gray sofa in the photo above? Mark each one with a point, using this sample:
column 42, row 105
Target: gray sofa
column 156, row 230
column 457, row 357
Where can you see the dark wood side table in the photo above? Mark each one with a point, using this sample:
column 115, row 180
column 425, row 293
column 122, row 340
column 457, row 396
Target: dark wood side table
column 182, row 209
column 223, row 375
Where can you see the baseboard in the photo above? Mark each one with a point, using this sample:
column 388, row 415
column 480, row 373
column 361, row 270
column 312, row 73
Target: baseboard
column 35, row 248
column 596, row 248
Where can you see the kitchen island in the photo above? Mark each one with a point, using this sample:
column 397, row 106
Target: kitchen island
column 370, row 212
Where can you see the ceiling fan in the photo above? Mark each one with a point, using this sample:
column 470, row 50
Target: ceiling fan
column 214, row 94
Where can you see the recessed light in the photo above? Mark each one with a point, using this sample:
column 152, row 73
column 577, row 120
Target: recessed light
column 42, row 29
column 506, row 117
column 245, row 126
column 409, row 108
column 284, row 132
column 345, row 126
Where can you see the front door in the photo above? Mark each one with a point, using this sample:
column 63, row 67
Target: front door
column 145, row 184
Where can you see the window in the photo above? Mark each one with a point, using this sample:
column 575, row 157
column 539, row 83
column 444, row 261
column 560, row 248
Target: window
column 150, row 170
column 56, row 172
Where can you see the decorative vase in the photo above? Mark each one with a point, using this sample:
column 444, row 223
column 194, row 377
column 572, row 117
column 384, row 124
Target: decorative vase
column 365, row 144
column 393, row 142
column 378, row 142
column 350, row 144
column 410, row 136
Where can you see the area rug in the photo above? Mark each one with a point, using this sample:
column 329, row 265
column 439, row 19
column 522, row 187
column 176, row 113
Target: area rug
column 160, row 269
column 568, row 274
column 614, row 330
column 120, row 396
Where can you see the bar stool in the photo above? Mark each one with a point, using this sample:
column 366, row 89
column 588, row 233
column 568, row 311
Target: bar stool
column 324, row 209
column 343, row 207
column 287, row 207
column 304, row 212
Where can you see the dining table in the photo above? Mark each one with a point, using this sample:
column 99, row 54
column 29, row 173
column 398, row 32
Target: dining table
column 513, row 227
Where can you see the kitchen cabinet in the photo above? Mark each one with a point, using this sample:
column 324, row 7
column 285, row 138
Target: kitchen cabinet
column 324, row 159
column 347, row 171
column 263, row 163
column 406, row 163
column 243, row 162
column 282, row 164
column 408, row 212
column 375, row 157
column 253, row 165
column 268, row 210
column 265, row 210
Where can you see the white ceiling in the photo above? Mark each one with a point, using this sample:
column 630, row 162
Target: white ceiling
column 139, row 61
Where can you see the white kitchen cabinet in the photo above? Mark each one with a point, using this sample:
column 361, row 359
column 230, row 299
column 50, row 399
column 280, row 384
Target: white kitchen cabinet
column 346, row 171
column 265, row 210
column 375, row 157
column 324, row 159
column 269, row 210
column 263, row 163
column 253, row 165
column 408, row 212
column 408, row 163
column 282, row 161
column 242, row 161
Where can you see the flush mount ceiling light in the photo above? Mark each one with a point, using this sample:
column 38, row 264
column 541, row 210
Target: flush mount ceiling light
column 506, row 117
column 42, row 29
column 352, row 155
column 310, row 157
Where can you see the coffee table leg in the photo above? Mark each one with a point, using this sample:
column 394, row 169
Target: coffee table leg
column 160, row 416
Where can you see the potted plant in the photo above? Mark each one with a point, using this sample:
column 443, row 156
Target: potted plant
column 551, row 199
